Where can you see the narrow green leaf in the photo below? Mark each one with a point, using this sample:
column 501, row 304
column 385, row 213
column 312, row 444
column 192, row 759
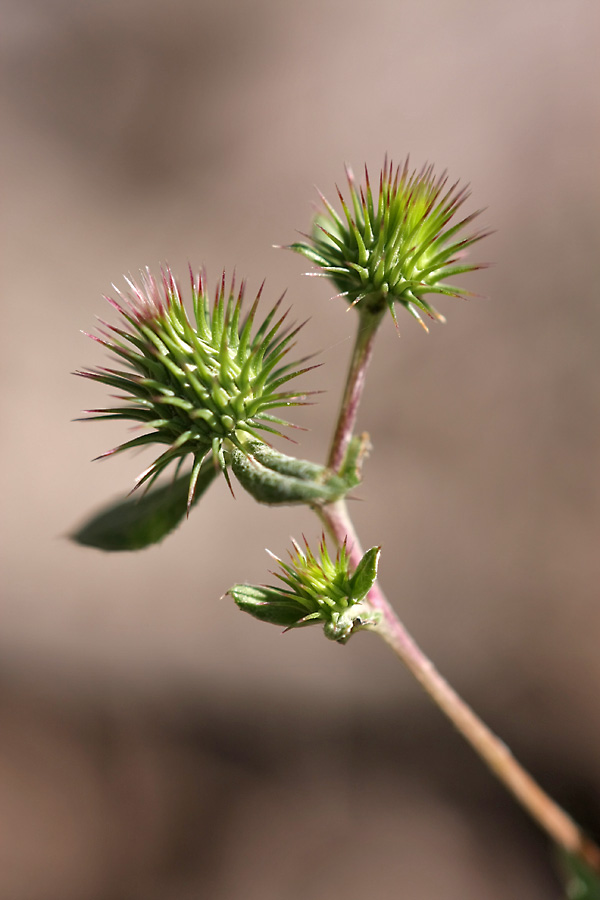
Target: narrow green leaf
column 137, row 522
column 267, row 605
column 268, row 484
column 365, row 574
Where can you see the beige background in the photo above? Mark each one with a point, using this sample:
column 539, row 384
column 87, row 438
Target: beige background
column 154, row 743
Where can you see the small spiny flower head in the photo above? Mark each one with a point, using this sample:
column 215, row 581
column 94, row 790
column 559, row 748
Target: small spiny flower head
column 197, row 387
column 396, row 247
column 316, row 589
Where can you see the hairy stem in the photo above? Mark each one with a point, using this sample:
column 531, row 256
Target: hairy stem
column 496, row 755
column 368, row 324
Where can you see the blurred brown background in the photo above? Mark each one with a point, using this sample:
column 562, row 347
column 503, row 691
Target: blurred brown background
column 154, row 743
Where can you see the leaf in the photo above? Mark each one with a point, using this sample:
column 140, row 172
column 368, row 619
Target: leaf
column 138, row 522
column 365, row 574
column 267, row 605
column 274, row 478
column 581, row 882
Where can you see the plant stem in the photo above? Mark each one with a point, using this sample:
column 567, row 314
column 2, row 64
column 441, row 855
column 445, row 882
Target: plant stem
column 368, row 324
column 496, row 755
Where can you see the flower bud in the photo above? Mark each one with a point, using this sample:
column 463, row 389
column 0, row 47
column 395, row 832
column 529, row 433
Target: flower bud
column 316, row 590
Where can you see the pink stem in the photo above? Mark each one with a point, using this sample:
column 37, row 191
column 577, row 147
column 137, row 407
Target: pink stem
column 541, row 807
column 361, row 356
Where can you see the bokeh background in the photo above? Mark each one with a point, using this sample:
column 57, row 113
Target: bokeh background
column 154, row 743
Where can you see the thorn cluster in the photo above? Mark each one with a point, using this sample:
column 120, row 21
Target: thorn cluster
column 200, row 387
column 396, row 247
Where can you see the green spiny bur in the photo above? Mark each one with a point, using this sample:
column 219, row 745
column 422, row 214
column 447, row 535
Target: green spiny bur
column 396, row 246
column 199, row 387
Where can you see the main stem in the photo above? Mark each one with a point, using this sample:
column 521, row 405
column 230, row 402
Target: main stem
column 335, row 517
column 546, row 812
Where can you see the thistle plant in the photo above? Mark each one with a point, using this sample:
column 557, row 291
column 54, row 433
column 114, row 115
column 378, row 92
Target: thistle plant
column 207, row 391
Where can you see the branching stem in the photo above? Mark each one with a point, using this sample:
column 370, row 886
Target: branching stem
column 563, row 830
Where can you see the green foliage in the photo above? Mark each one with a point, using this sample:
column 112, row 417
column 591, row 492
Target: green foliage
column 140, row 521
column 274, row 478
column 269, row 605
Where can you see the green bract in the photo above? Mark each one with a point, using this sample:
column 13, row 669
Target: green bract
column 199, row 388
column 274, row 478
column 397, row 247
column 317, row 589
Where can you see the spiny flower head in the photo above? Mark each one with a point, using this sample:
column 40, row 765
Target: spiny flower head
column 198, row 387
column 316, row 589
column 396, row 247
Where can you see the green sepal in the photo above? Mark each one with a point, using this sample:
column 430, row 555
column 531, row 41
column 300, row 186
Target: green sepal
column 365, row 574
column 268, row 605
column 581, row 882
column 274, row 478
column 134, row 523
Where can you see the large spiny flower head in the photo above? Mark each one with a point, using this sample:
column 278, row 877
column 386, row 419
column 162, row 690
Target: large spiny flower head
column 198, row 387
column 396, row 247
